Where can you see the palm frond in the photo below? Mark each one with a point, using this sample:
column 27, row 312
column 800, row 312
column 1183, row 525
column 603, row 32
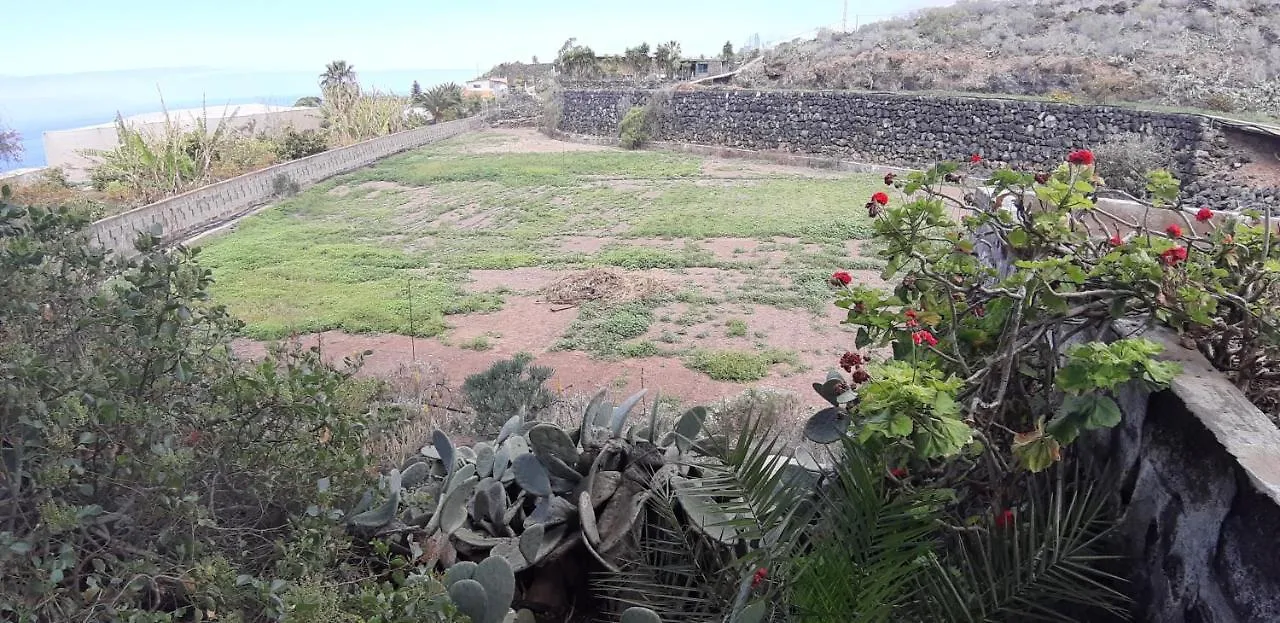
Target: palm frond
column 676, row 571
column 864, row 553
column 1046, row 565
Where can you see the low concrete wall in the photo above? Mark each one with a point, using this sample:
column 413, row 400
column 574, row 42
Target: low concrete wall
column 23, row 176
column 189, row 213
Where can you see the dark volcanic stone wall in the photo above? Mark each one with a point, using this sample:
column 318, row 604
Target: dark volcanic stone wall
column 896, row 129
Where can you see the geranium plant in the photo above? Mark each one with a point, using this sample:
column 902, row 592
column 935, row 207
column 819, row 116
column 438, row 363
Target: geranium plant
column 989, row 298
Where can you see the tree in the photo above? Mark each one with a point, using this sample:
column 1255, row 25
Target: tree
column 338, row 75
column 638, row 58
column 415, row 92
column 535, row 59
column 727, row 52
column 309, row 101
column 667, row 57
column 442, row 101
column 10, row 145
column 576, row 60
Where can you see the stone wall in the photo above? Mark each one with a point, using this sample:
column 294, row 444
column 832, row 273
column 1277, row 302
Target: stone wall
column 189, row 213
column 907, row 130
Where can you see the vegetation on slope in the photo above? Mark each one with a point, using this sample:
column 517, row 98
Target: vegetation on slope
column 1221, row 56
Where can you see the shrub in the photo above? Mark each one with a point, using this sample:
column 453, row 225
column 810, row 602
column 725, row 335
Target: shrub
column 508, row 387
column 633, row 131
column 736, row 327
column 151, row 474
column 1123, row 162
column 294, row 144
column 1221, row 102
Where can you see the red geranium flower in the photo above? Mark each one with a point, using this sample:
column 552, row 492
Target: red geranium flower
column 849, row 361
column 759, row 577
column 888, row 178
column 898, row 472
column 1004, row 519
column 1204, row 214
column 841, row 277
column 911, row 318
column 925, row 337
column 1082, row 157
column 860, row 376
column 1116, row 240
column 880, row 198
column 975, row 158
column 1042, row 178
column 1174, row 256
column 1173, row 231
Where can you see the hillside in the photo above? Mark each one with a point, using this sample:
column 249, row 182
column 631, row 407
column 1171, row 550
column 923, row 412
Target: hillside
column 1212, row 54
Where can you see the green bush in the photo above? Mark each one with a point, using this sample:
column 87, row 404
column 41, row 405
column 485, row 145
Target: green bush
column 508, row 387
column 148, row 473
column 633, row 132
column 294, row 144
column 735, row 365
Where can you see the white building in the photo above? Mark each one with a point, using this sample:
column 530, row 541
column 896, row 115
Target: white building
column 67, row 148
column 485, row 87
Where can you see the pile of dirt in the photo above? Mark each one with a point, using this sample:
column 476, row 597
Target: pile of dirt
column 602, row 284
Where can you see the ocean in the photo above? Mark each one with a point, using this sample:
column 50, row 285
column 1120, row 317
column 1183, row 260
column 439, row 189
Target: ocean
column 33, row 105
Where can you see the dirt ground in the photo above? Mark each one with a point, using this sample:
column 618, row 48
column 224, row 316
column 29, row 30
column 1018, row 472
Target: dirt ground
column 527, row 323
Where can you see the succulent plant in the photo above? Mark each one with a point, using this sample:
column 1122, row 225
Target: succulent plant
column 536, row 493
column 482, row 591
column 637, row 614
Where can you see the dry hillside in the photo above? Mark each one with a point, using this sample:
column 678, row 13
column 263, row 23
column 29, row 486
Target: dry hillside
column 1215, row 54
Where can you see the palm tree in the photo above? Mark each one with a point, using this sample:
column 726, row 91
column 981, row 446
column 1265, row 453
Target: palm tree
column 338, row 75
column 440, row 99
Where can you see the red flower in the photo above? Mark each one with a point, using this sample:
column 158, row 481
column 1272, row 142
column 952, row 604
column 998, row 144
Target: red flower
column 1004, row 519
column 849, row 361
column 898, row 472
column 1204, row 214
column 1082, row 157
column 880, row 198
column 860, row 376
column 976, row 158
column 923, row 336
column 841, row 277
column 194, row 438
column 911, row 318
column 1042, row 178
column 873, row 209
column 759, row 576
column 888, row 178
column 1175, row 255
column 1116, row 240
column 1174, row 231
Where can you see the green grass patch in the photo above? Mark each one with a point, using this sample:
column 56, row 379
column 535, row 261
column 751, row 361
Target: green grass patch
column 736, row 365
column 810, row 209
column 735, row 327
column 427, row 167
column 479, row 343
column 643, row 348
column 601, row 330
column 640, row 258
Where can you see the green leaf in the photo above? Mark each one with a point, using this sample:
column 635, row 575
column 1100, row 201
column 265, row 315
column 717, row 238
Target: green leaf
column 900, row 426
column 1018, row 237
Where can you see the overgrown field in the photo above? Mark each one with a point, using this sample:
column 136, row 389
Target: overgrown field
column 731, row 252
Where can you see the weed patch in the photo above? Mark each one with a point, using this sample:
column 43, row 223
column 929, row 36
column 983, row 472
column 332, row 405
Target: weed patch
column 601, row 330
column 735, row 365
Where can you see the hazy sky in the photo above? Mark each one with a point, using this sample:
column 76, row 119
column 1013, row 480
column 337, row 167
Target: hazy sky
column 69, row 36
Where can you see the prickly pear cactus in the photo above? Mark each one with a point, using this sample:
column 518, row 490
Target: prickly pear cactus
column 637, row 614
column 482, row 591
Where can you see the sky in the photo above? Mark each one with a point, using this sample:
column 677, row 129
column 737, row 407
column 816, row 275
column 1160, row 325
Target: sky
column 69, row 63
column 70, row 36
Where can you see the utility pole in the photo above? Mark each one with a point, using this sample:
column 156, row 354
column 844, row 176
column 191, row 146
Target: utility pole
column 844, row 18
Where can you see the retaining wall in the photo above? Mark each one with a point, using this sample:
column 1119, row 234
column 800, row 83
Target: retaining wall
column 913, row 130
column 189, row 213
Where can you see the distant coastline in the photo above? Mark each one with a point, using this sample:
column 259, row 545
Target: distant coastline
column 33, row 105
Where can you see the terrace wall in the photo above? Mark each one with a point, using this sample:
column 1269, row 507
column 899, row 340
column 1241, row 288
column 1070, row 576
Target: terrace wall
column 189, row 213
